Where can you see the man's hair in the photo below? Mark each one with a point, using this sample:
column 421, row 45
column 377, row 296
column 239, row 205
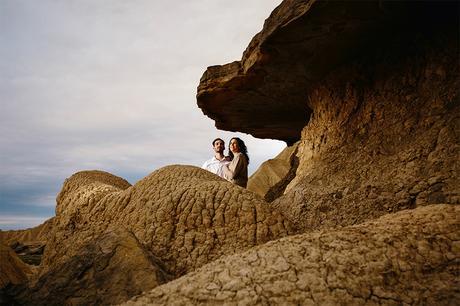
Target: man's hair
column 214, row 141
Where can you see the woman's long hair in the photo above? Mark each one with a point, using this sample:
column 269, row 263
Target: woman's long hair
column 242, row 147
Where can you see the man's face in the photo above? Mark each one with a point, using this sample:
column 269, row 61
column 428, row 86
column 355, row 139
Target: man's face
column 219, row 146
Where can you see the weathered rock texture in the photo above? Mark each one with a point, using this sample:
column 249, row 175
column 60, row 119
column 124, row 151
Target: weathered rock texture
column 411, row 257
column 38, row 234
column 13, row 272
column 384, row 136
column 28, row 244
column 108, row 269
column 273, row 176
column 171, row 222
column 12, row 269
column 377, row 85
column 265, row 93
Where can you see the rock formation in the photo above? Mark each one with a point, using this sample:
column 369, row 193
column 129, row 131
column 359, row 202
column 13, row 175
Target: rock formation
column 371, row 92
column 377, row 85
column 28, row 244
column 273, row 176
column 38, row 234
column 13, row 272
column 106, row 270
column 169, row 223
column 403, row 258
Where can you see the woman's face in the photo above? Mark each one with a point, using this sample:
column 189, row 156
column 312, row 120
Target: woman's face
column 234, row 146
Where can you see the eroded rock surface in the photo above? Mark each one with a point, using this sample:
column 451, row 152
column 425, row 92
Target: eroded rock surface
column 182, row 216
column 411, row 257
column 13, row 272
column 106, row 270
column 37, row 235
column 378, row 86
column 384, row 136
column 12, row 269
column 265, row 93
column 273, row 176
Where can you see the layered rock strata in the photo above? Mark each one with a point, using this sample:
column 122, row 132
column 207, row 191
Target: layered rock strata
column 273, row 176
column 411, row 257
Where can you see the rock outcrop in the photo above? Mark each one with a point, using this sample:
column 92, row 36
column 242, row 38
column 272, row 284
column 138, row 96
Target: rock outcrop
column 169, row 223
column 377, row 85
column 411, row 257
column 273, row 176
column 35, row 235
column 265, row 93
column 28, row 244
column 106, row 270
column 13, row 272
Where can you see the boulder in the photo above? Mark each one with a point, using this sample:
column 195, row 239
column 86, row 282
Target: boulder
column 410, row 257
column 105, row 270
column 265, row 94
column 273, row 176
column 172, row 222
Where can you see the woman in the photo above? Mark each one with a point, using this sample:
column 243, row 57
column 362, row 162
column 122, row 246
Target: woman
column 237, row 171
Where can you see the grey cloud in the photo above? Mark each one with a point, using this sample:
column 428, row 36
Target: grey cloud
column 110, row 85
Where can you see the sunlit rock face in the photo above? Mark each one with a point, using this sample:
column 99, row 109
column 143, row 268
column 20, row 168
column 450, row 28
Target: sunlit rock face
column 409, row 258
column 273, row 176
column 111, row 241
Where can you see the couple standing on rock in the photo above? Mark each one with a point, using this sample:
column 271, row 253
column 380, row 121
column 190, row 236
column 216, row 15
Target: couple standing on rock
column 234, row 167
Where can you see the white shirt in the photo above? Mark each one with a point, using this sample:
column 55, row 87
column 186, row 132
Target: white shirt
column 215, row 166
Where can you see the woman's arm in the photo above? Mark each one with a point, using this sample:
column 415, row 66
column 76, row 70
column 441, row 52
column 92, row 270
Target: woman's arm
column 233, row 169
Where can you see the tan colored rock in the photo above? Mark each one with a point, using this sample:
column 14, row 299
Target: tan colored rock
column 272, row 177
column 410, row 257
column 183, row 216
column 106, row 270
column 376, row 88
column 12, row 270
column 384, row 137
column 265, row 94
column 38, row 234
column 28, row 244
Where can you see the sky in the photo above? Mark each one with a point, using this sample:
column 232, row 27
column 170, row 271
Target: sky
column 110, row 85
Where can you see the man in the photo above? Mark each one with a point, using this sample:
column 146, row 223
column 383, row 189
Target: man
column 216, row 163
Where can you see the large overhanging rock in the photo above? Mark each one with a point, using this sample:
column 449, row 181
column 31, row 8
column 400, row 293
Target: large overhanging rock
column 265, row 94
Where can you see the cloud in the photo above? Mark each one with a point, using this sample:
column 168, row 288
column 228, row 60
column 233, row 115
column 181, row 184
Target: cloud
column 15, row 222
column 111, row 85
